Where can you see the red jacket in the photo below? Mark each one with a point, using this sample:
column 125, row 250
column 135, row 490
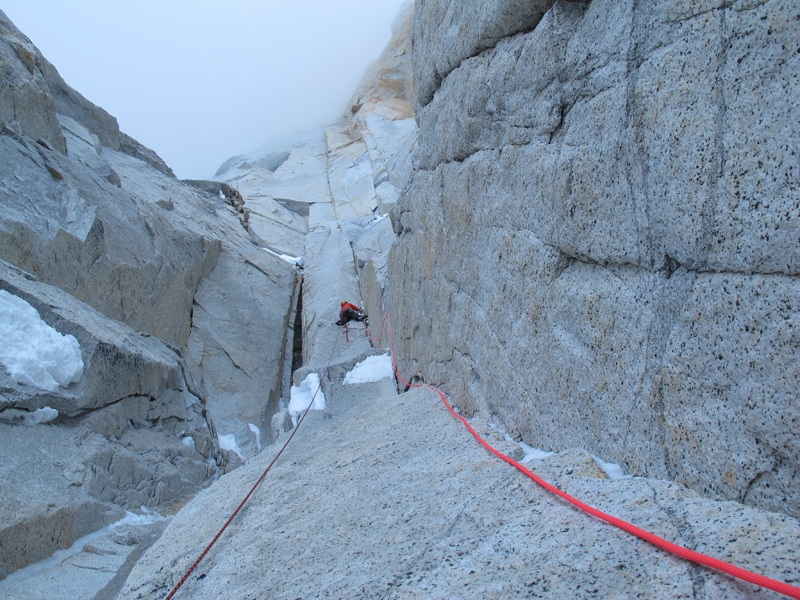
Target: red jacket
column 347, row 305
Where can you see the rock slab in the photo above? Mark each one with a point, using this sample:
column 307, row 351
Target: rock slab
column 389, row 496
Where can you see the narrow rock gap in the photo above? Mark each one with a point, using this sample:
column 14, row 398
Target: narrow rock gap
column 297, row 340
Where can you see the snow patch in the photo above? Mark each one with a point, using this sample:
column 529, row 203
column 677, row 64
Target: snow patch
column 297, row 261
column 257, row 432
column 506, row 435
column 613, row 470
column 372, row 368
column 532, row 453
column 135, row 520
column 228, row 442
column 13, row 416
column 308, row 393
column 32, row 352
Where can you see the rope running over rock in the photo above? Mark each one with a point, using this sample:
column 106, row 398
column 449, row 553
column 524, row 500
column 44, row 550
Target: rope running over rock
column 257, row 483
column 684, row 553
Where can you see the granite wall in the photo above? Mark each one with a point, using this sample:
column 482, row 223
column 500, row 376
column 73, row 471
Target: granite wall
column 600, row 246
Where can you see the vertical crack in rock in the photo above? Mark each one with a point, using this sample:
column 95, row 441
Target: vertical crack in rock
column 297, row 340
column 637, row 159
column 670, row 300
column 686, row 538
column 708, row 239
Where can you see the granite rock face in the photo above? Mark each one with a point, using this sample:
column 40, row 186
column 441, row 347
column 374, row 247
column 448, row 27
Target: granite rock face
column 600, row 245
column 67, row 220
column 446, row 34
column 181, row 317
column 382, row 114
column 128, row 434
column 235, row 347
column 387, row 495
column 323, row 197
column 538, row 267
column 26, row 100
column 119, row 362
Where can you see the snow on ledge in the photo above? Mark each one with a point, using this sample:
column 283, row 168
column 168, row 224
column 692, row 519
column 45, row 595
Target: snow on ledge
column 228, row 442
column 531, row 452
column 613, row 470
column 372, row 368
column 14, row 416
column 309, row 392
column 256, row 432
column 297, row 261
column 32, row 352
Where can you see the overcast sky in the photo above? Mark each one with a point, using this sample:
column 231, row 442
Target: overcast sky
column 199, row 81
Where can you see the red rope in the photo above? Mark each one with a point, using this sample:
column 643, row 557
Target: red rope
column 253, row 489
column 680, row 551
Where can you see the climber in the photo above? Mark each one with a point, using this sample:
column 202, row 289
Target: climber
column 350, row 312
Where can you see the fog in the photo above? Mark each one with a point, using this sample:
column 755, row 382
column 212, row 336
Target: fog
column 202, row 80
